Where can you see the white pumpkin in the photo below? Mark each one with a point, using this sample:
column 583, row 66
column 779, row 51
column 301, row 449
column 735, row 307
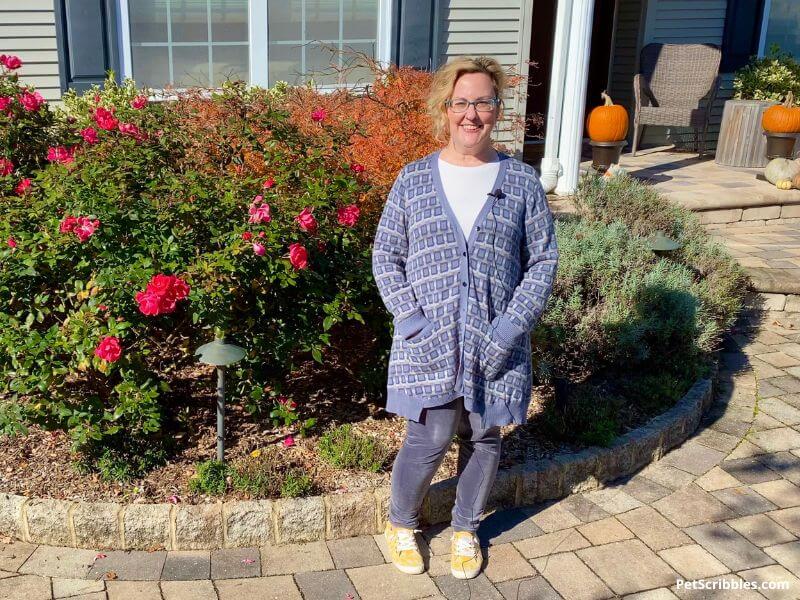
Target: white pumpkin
column 781, row 168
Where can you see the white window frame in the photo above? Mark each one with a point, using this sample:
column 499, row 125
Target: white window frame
column 762, row 39
column 258, row 45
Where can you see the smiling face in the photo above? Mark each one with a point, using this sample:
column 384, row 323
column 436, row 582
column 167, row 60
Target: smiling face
column 470, row 131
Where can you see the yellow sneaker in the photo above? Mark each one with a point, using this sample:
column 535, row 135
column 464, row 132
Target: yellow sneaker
column 403, row 549
column 465, row 555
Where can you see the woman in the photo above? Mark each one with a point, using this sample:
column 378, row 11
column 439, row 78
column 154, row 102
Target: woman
column 464, row 258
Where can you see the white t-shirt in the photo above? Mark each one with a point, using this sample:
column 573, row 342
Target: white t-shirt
column 467, row 189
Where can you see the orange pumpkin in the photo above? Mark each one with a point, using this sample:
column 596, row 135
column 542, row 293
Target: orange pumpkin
column 607, row 123
column 782, row 118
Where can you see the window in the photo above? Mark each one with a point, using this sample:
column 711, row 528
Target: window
column 203, row 42
column 299, row 30
column 781, row 27
column 188, row 42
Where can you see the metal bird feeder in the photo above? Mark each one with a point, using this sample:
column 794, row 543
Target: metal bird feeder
column 661, row 243
column 220, row 354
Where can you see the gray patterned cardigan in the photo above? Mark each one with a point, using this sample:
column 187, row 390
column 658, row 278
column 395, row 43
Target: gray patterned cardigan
column 463, row 308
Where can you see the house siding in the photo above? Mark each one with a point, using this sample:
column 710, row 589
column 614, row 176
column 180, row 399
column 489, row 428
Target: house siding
column 500, row 29
column 625, row 54
column 28, row 30
column 688, row 22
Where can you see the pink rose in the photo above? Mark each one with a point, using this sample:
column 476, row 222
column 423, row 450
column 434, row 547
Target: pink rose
column 105, row 118
column 139, row 102
column 131, row 130
column 259, row 249
column 307, row 221
column 31, row 102
column 12, row 243
column 10, row 62
column 6, row 167
column 61, row 154
column 22, row 187
column 298, row 256
column 269, row 183
column 89, row 135
column 357, row 168
column 348, row 215
column 68, row 224
column 85, row 228
column 6, row 102
column 259, row 211
column 288, row 441
column 149, row 302
column 108, row 349
column 319, row 115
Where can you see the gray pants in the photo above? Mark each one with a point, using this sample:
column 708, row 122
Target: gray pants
column 422, row 452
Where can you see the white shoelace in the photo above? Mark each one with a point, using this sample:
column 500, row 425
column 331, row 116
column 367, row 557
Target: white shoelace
column 466, row 546
column 406, row 540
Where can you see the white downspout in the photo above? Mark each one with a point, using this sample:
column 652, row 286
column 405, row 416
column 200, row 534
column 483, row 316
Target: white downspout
column 571, row 140
column 551, row 168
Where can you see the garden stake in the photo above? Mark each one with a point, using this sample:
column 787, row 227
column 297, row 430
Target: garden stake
column 220, row 354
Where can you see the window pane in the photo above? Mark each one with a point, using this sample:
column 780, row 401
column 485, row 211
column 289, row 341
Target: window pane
column 150, row 66
column 230, row 62
column 229, row 20
column 360, row 74
column 322, row 19
column 148, row 20
column 190, row 66
column 284, row 63
column 318, row 65
column 360, row 19
column 285, row 21
column 189, row 20
column 784, row 27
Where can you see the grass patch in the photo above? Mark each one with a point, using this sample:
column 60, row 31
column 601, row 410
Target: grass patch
column 345, row 448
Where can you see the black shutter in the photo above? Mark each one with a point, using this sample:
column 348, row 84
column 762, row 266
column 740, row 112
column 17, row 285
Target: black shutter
column 416, row 32
column 86, row 33
column 742, row 33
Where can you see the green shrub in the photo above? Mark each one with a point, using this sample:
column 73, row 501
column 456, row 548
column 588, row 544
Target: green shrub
column 768, row 78
column 211, row 478
column 296, row 483
column 345, row 448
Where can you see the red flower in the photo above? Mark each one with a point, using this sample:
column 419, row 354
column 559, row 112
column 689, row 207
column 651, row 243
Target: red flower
column 269, row 183
column 105, row 118
column 6, row 102
column 10, row 62
column 247, row 236
column 307, row 221
column 12, row 243
column 68, row 224
column 131, row 130
column 6, row 167
column 321, row 246
column 298, row 256
column 139, row 102
column 85, row 228
column 348, row 215
column 162, row 294
column 288, row 441
column 357, row 168
column 102, row 307
column 31, row 102
column 22, row 187
column 89, row 135
column 319, row 115
column 61, row 154
column 109, row 349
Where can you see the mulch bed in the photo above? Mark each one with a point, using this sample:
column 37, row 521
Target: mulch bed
column 41, row 463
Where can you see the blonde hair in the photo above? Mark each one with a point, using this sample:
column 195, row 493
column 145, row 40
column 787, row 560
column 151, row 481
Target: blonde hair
column 444, row 81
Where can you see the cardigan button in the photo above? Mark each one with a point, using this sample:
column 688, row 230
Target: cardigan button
column 464, row 283
column 463, row 254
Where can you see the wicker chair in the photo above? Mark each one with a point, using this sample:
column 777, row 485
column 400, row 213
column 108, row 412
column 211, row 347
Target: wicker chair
column 676, row 86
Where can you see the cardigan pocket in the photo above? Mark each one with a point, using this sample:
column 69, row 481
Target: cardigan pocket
column 494, row 353
column 420, row 347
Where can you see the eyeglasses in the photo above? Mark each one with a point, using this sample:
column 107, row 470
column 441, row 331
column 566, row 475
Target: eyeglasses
column 460, row 105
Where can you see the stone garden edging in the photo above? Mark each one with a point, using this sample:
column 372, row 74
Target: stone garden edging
column 105, row 525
